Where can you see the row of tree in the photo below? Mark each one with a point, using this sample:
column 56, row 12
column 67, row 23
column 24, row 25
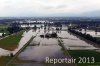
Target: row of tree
column 14, row 28
column 86, row 36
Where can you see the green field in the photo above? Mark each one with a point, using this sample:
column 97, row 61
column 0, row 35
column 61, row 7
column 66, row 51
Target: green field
column 11, row 42
column 4, row 60
column 3, row 26
column 88, row 54
column 98, row 38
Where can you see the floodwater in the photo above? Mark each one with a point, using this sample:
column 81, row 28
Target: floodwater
column 26, row 37
column 4, row 52
column 91, row 32
column 72, row 42
column 40, row 48
column 39, row 25
column 1, row 34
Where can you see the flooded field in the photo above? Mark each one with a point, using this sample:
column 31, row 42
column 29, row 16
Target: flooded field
column 41, row 47
column 40, row 52
column 91, row 32
column 26, row 37
column 72, row 42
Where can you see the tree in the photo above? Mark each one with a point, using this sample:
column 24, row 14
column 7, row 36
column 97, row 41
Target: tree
column 3, row 34
column 35, row 27
column 13, row 28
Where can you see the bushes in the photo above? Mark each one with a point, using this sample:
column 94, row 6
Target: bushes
column 48, row 35
column 54, row 35
column 14, row 28
column 98, row 40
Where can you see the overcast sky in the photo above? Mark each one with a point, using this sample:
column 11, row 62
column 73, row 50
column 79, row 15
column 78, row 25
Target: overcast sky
column 47, row 7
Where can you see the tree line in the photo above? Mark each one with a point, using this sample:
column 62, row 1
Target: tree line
column 84, row 35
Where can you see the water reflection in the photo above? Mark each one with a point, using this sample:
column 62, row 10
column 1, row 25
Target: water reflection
column 41, row 52
column 91, row 32
column 70, row 41
column 46, row 48
column 74, row 43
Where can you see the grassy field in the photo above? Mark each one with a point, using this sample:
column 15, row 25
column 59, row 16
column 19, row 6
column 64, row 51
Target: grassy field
column 3, row 26
column 98, row 38
column 4, row 60
column 11, row 42
column 88, row 55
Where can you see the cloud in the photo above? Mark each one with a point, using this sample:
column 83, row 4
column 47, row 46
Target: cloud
column 54, row 7
column 46, row 7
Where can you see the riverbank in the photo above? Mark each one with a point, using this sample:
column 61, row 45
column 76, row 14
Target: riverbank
column 26, row 39
column 11, row 42
column 5, row 58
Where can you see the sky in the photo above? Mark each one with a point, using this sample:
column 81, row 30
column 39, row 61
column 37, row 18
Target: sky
column 29, row 8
